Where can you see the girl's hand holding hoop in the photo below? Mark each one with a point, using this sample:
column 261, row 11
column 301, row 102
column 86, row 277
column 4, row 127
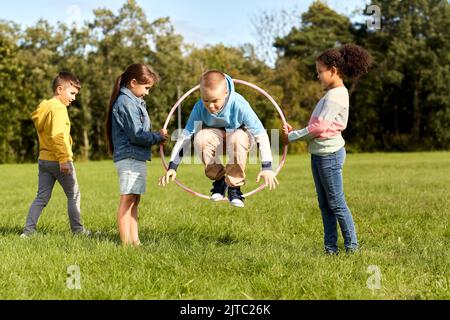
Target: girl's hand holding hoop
column 164, row 133
column 286, row 129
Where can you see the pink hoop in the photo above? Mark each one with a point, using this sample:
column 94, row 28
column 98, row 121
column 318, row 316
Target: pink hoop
column 177, row 104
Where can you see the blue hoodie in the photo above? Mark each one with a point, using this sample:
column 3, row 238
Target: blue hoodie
column 236, row 113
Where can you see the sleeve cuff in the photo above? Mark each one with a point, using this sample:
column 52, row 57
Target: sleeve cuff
column 159, row 137
column 173, row 166
column 302, row 134
column 267, row 165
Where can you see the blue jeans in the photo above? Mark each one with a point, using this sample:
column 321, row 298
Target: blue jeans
column 327, row 173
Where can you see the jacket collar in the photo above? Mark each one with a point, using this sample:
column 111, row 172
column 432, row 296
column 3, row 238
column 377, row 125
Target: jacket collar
column 130, row 94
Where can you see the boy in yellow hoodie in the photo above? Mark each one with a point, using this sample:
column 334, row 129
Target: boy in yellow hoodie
column 55, row 153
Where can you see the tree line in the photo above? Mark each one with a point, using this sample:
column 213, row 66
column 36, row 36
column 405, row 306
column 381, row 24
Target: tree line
column 401, row 105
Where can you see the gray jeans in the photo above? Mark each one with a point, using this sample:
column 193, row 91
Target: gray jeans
column 49, row 173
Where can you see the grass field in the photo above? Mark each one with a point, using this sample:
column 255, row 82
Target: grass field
column 271, row 249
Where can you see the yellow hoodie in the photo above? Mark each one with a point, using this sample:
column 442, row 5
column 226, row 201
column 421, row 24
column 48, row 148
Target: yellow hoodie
column 53, row 127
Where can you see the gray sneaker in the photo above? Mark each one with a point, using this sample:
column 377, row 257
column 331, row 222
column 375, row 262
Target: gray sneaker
column 330, row 252
column 84, row 232
column 27, row 234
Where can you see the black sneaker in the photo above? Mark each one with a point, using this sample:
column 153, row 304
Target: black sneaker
column 219, row 189
column 235, row 197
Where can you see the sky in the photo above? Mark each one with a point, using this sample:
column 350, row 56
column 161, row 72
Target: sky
column 200, row 22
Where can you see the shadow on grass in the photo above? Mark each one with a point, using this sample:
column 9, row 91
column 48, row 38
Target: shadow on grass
column 45, row 231
column 148, row 236
column 5, row 231
column 184, row 236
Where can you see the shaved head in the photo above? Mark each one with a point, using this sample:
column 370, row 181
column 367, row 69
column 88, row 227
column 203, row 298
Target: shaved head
column 214, row 90
column 212, row 80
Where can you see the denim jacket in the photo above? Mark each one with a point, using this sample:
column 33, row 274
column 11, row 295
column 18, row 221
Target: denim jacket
column 131, row 128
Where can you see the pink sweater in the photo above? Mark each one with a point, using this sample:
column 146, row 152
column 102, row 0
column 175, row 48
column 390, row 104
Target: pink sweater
column 328, row 120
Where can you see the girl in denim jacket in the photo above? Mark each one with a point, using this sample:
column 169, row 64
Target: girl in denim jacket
column 130, row 139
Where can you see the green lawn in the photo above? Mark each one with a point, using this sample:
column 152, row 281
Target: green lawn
column 271, row 249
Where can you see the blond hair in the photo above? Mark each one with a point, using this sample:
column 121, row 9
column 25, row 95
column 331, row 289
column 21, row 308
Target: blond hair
column 212, row 79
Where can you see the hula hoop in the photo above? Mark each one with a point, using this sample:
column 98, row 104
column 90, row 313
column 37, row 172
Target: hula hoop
column 177, row 104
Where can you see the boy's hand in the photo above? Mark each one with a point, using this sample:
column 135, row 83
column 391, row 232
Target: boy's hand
column 269, row 178
column 286, row 129
column 165, row 179
column 65, row 168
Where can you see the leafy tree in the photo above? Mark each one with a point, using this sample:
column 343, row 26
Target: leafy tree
column 409, row 87
column 36, row 58
column 10, row 100
column 118, row 41
column 321, row 28
column 402, row 104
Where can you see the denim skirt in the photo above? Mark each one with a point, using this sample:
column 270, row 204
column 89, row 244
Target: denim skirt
column 132, row 176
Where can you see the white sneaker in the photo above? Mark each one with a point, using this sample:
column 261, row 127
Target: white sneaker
column 25, row 235
column 217, row 197
column 235, row 197
column 237, row 203
column 219, row 189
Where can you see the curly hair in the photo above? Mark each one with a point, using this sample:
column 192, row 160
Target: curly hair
column 350, row 60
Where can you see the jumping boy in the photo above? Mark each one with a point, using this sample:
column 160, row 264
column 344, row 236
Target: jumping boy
column 225, row 118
